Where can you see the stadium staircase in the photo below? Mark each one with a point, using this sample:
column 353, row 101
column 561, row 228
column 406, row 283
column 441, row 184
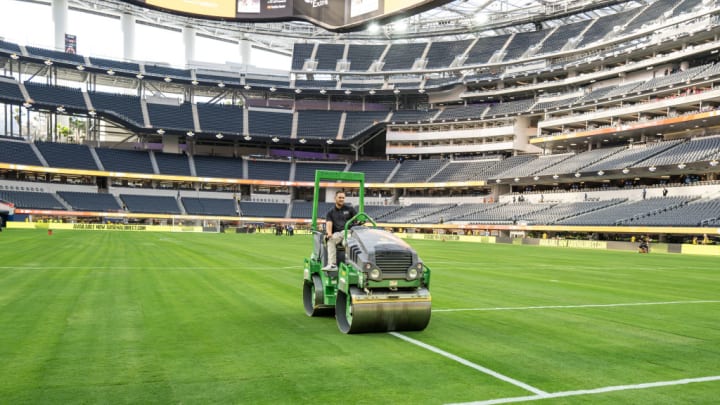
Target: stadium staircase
column 191, row 162
column 196, row 118
column 39, row 155
column 145, row 113
column 392, row 173
column 96, row 158
column 154, row 163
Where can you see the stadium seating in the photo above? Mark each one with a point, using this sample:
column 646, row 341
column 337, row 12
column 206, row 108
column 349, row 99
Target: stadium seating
column 417, row 171
column 361, row 57
column 403, row 56
column 31, row 200
column 219, row 167
column 43, row 94
column 376, row 171
column 173, row 164
column 118, row 160
column 124, row 107
column 18, row 152
column 262, row 209
column 268, row 170
column 270, row 123
column 90, row 201
column 220, row 118
column 67, row 155
column 150, row 204
column 318, row 124
column 178, row 117
column 305, row 171
column 209, row 206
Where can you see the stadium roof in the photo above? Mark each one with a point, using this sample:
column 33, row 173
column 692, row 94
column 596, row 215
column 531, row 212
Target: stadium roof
column 456, row 19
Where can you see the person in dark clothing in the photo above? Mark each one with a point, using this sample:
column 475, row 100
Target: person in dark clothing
column 335, row 221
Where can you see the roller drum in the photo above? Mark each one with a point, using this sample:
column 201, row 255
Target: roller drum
column 382, row 311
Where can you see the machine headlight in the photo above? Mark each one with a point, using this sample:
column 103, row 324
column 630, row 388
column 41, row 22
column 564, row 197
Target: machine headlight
column 412, row 273
column 367, row 266
column 375, row 274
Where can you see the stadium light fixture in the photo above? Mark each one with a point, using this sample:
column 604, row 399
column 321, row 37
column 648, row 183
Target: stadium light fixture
column 27, row 105
column 298, row 91
column 348, row 92
column 190, row 133
column 421, row 91
column 272, row 89
column 374, row 28
column 110, row 72
column 371, row 92
column 14, row 56
column 682, row 166
column 401, row 26
column 247, row 87
column 275, row 139
column 536, row 178
column 303, row 141
column 92, row 113
column 652, row 168
column 330, row 141
column 713, row 162
column 221, row 85
column 577, row 174
column 140, row 76
column 219, row 136
column 194, row 82
column 396, row 91
column 48, row 62
column 626, row 170
column 601, row 173
column 167, row 79
column 60, row 109
column 323, row 91
column 247, row 137
column 555, row 177
column 80, row 67
column 498, row 181
column 516, row 179
column 161, row 131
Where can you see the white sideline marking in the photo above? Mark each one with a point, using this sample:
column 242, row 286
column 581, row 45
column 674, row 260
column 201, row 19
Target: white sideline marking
column 594, row 391
column 629, row 304
column 470, row 364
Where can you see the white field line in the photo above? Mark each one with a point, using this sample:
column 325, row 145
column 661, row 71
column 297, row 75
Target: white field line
column 470, row 364
column 628, row 304
column 595, row 391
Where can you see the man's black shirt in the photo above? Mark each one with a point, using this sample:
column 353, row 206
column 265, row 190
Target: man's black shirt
column 339, row 217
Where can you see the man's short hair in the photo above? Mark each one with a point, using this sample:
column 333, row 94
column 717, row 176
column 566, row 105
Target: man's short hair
column 338, row 192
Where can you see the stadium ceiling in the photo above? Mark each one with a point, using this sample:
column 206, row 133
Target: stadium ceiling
column 455, row 20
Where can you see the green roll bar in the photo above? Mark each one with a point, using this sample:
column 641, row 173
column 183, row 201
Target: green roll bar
column 331, row 175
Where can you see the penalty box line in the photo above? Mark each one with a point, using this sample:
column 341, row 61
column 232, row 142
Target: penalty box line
column 470, row 364
column 629, row 304
column 601, row 390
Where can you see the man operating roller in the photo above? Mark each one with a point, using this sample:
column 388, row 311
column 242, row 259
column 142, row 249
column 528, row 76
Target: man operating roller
column 335, row 221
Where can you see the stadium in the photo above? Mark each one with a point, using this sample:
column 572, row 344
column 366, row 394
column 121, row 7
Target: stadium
column 149, row 150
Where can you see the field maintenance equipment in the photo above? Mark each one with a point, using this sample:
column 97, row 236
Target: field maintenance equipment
column 380, row 283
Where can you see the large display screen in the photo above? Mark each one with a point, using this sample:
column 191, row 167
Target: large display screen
column 334, row 15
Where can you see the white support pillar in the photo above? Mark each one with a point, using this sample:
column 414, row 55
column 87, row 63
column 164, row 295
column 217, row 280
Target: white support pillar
column 245, row 48
column 189, row 43
column 128, row 30
column 59, row 14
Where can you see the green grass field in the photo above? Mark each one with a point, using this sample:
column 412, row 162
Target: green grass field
column 123, row 317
